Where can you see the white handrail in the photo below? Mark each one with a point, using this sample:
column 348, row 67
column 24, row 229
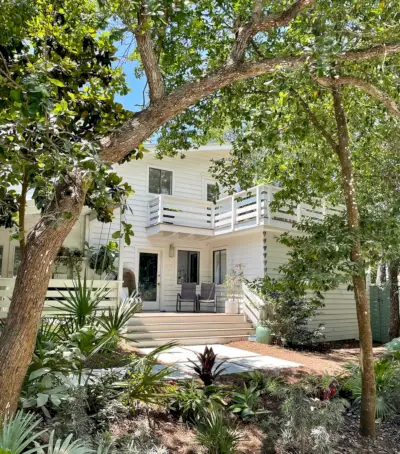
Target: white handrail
column 251, row 305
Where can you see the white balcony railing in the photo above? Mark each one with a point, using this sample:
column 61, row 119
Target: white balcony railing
column 166, row 209
column 239, row 211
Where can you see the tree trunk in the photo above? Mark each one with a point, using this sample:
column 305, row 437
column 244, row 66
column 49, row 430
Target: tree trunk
column 394, row 299
column 368, row 400
column 18, row 338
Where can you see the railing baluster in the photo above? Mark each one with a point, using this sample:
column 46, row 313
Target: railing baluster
column 233, row 213
column 258, row 205
column 161, row 208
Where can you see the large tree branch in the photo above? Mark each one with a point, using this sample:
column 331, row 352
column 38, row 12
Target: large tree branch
column 259, row 22
column 144, row 123
column 369, row 88
column 318, row 126
column 148, row 56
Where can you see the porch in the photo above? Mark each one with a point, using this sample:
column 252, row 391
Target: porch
column 177, row 216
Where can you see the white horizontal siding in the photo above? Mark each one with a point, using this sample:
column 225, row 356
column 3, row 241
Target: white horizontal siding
column 339, row 313
column 189, row 175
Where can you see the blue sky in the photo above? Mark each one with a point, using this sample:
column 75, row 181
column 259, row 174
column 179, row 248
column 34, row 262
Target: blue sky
column 135, row 96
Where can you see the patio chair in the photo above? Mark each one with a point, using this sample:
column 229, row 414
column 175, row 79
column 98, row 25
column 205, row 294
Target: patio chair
column 207, row 296
column 187, row 295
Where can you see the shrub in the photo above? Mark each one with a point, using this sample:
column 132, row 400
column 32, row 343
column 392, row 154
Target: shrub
column 216, row 434
column 387, row 378
column 190, row 401
column 245, row 403
column 393, row 349
column 144, row 382
column 140, row 441
column 288, row 310
column 309, row 422
column 207, row 371
column 263, row 383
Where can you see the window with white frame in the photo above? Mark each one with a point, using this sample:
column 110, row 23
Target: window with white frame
column 188, row 267
column 160, row 181
column 219, row 266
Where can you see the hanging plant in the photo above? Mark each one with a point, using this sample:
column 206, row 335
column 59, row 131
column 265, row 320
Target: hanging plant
column 102, row 260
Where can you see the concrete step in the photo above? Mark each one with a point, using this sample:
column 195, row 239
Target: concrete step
column 187, row 341
column 183, row 318
column 186, row 334
column 175, row 327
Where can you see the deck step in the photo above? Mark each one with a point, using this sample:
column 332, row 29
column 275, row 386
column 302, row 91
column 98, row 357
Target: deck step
column 187, row 341
column 155, row 329
column 187, row 326
column 185, row 334
column 183, row 318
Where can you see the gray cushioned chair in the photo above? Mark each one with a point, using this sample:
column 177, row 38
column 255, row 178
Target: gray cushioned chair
column 207, row 296
column 187, row 295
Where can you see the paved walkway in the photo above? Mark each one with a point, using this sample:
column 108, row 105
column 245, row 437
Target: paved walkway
column 237, row 360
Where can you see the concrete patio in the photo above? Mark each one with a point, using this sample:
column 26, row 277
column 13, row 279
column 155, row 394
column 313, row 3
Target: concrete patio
column 237, row 360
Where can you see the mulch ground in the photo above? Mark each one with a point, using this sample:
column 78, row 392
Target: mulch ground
column 329, row 361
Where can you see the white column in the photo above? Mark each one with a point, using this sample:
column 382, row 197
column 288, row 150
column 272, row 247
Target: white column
column 121, row 254
column 233, row 213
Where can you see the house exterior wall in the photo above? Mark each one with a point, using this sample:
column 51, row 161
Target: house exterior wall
column 75, row 239
column 339, row 313
column 189, row 181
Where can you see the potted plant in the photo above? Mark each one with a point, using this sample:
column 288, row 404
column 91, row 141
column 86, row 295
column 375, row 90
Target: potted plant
column 68, row 263
column 263, row 331
column 233, row 283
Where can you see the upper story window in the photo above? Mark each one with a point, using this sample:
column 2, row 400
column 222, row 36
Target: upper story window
column 160, row 181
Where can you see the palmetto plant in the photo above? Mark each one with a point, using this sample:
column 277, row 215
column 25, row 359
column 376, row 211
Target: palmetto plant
column 206, row 370
column 82, row 302
column 18, row 433
column 113, row 320
column 387, row 378
column 144, row 382
column 216, row 434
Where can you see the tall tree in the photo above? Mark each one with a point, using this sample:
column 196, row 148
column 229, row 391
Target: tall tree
column 191, row 52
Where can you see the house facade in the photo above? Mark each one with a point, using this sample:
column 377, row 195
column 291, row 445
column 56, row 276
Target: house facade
column 182, row 234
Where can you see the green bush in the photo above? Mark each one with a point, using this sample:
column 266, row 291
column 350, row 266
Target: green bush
column 216, row 434
column 309, row 422
column 387, row 378
column 144, row 383
column 245, row 403
column 287, row 311
column 190, row 401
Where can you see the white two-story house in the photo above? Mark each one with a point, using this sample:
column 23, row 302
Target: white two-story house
column 182, row 234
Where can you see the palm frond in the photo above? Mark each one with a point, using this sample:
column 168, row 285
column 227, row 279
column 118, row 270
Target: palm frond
column 67, row 446
column 18, row 432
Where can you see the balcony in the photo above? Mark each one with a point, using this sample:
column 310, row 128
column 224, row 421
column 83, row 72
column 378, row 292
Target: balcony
column 170, row 215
